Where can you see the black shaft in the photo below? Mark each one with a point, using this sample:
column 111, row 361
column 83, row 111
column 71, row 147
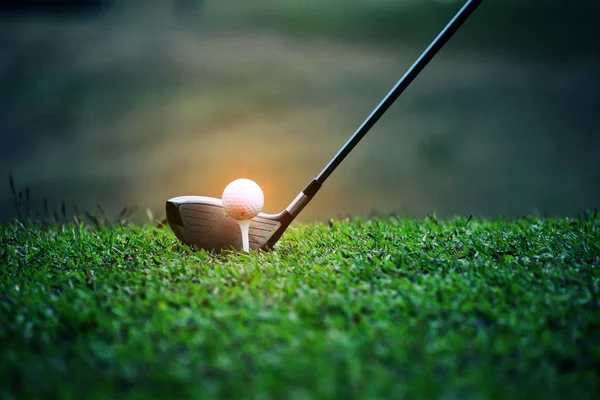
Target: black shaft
column 402, row 84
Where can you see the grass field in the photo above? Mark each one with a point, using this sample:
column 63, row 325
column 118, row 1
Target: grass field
column 384, row 307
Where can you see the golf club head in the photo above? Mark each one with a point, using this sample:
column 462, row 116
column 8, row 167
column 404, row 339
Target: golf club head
column 202, row 221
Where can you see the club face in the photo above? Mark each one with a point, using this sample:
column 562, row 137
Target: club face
column 202, row 221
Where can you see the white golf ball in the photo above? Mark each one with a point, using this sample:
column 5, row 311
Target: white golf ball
column 243, row 199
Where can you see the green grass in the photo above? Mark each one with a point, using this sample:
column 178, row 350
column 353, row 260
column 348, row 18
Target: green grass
column 352, row 309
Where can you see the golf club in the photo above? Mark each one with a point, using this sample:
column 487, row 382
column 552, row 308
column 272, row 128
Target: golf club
column 202, row 221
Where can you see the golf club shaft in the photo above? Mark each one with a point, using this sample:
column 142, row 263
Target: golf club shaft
column 402, row 84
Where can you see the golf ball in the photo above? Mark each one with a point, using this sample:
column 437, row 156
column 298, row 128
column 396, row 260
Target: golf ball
column 243, row 199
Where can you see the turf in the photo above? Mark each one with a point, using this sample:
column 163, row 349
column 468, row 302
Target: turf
column 384, row 307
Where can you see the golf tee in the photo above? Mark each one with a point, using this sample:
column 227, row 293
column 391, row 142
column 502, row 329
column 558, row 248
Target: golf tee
column 244, row 227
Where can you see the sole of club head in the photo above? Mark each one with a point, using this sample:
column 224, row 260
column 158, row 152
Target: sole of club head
column 202, row 221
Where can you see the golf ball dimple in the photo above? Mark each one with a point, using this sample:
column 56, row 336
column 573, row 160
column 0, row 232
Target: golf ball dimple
column 243, row 199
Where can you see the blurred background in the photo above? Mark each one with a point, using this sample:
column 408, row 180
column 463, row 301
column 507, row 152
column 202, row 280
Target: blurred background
column 129, row 103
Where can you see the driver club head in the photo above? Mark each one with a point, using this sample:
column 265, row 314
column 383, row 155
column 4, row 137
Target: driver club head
column 202, row 221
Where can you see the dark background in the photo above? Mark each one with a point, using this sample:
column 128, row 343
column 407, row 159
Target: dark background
column 130, row 103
